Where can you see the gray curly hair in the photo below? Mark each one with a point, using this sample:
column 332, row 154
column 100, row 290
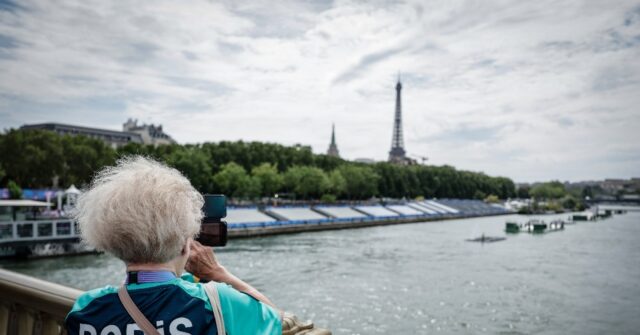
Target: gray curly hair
column 139, row 210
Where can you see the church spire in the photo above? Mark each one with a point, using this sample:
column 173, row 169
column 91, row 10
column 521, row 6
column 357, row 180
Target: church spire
column 333, row 147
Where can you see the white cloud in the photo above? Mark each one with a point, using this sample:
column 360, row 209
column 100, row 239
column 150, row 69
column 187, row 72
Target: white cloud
column 530, row 90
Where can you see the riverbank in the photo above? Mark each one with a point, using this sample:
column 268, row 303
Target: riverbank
column 271, row 220
column 35, row 239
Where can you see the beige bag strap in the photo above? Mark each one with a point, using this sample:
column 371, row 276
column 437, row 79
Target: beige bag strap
column 135, row 313
column 149, row 329
column 214, row 299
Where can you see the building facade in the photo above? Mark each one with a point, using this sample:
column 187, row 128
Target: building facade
column 150, row 134
column 113, row 138
column 133, row 133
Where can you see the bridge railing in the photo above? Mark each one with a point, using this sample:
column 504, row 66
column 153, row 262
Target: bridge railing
column 33, row 306
column 14, row 231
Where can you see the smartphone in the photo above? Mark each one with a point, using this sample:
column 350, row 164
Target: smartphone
column 213, row 231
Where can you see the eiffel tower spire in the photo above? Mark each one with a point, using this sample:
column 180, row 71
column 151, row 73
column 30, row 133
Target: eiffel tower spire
column 397, row 153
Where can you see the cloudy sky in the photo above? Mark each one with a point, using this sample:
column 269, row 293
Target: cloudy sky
column 532, row 90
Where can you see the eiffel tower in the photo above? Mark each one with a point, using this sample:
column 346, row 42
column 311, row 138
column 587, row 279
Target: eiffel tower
column 397, row 153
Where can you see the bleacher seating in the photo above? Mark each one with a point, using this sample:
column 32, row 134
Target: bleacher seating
column 376, row 211
column 296, row 213
column 341, row 212
column 422, row 208
column 432, row 207
column 405, row 210
column 246, row 215
column 443, row 207
column 242, row 218
column 474, row 207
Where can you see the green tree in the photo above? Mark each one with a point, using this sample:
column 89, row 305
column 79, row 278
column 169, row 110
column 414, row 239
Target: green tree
column 523, row 192
column 306, row 181
column 232, row 180
column 194, row 164
column 479, row 195
column 506, row 187
column 361, row 181
column 270, row 181
column 327, row 163
column 15, row 192
column 251, row 154
column 569, row 202
column 492, row 199
column 550, row 190
column 83, row 156
column 337, row 184
column 328, row 198
column 136, row 149
column 252, row 188
column 553, row 206
column 32, row 157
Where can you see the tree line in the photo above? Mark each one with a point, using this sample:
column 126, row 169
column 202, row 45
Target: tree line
column 243, row 170
column 552, row 196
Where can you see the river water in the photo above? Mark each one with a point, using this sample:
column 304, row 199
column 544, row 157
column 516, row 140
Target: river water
column 425, row 278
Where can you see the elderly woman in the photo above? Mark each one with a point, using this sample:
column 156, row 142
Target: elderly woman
column 147, row 215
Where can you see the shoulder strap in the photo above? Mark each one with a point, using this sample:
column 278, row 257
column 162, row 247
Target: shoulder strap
column 135, row 313
column 214, row 299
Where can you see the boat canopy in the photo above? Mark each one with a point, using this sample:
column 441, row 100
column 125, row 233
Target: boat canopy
column 23, row 203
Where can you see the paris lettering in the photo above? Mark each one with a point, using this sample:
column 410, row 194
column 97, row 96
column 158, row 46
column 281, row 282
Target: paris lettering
column 178, row 326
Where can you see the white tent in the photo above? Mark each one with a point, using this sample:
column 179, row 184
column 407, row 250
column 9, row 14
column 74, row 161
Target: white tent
column 72, row 196
column 72, row 190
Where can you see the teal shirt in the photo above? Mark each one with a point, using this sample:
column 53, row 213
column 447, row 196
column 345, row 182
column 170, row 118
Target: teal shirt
column 178, row 306
column 235, row 305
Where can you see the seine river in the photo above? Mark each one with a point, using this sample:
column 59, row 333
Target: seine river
column 425, row 278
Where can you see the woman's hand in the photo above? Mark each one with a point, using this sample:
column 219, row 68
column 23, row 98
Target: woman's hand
column 202, row 263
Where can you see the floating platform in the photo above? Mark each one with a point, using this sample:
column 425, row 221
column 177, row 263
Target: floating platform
column 512, row 227
column 534, row 227
column 605, row 214
column 585, row 216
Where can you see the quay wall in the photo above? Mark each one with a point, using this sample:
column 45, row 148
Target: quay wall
column 294, row 219
column 300, row 227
